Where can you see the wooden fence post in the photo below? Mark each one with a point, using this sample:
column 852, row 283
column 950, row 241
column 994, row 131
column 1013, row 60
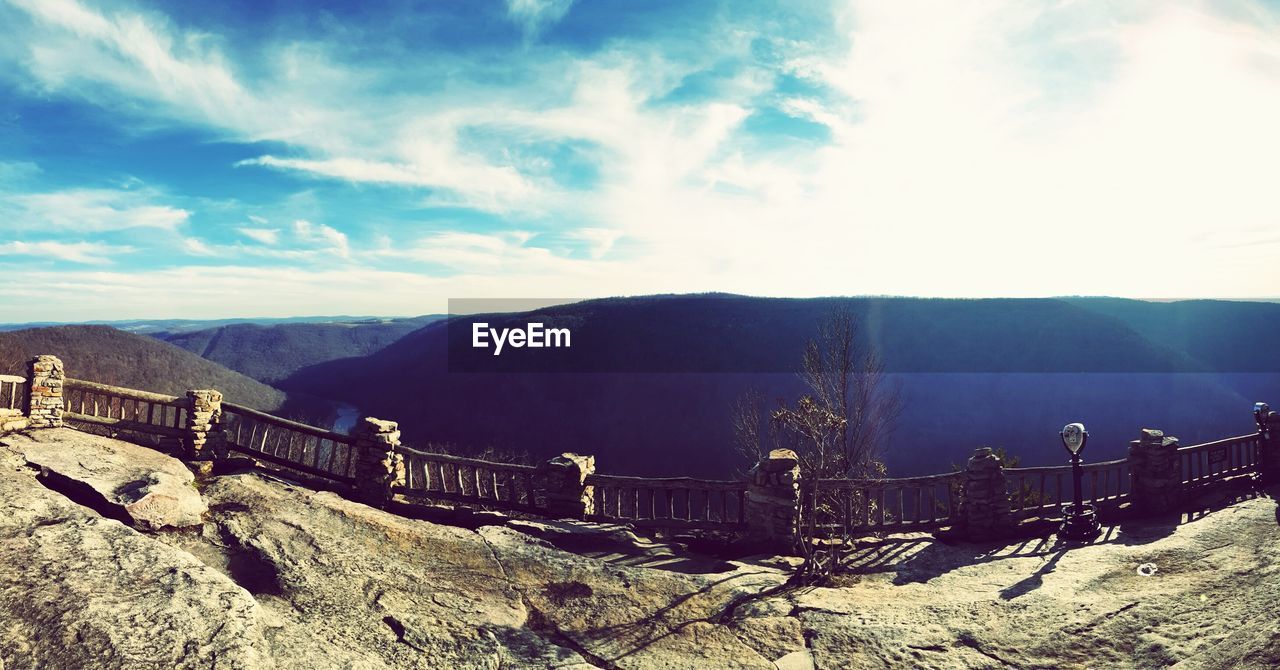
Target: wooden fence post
column 773, row 501
column 44, row 398
column 562, row 483
column 202, row 433
column 378, row 469
column 985, row 510
column 1155, row 471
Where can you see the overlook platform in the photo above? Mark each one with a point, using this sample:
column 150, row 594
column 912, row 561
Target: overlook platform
column 277, row 575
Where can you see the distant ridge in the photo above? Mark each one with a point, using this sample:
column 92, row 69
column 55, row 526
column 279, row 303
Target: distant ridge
column 1003, row 372
column 110, row 356
column 272, row 352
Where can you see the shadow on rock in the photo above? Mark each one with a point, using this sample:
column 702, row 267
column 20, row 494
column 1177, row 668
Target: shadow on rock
column 1034, row 581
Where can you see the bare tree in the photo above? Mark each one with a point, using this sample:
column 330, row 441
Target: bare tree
column 753, row 431
column 837, row 429
column 839, row 426
column 12, row 362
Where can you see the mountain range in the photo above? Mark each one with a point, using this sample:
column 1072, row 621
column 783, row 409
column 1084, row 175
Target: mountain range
column 649, row 382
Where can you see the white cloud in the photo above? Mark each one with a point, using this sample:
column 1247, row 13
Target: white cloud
column 971, row 143
column 534, row 15
column 91, row 253
column 90, row 210
column 328, row 238
column 599, row 240
column 484, row 186
column 197, row 247
column 262, row 235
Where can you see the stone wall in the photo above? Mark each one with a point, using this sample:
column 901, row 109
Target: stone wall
column 378, row 469
column 984, row 500
column 44, row 400
column 1155, row 471
column 1269, row 448
column 770, row 510
column 203, row 436
column 773, row 500
column 562, row 484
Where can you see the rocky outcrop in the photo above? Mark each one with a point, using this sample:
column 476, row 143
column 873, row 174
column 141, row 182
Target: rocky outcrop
column 342, row 581
column 12, row 420
column 278, row 575
column 81, row 591
column 141, row 486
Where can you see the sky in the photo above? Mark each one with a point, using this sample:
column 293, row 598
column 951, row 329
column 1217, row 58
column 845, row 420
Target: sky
column 202, row 160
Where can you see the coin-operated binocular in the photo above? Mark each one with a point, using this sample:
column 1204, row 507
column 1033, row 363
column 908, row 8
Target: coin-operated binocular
column 1079, row 521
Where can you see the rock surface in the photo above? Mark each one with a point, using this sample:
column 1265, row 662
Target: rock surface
column 81, row 591
column 146, row 487
column 282, row 576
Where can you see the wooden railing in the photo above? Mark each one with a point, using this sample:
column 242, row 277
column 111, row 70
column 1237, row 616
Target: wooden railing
column 847, row 507
column 1043, row 491
column 13, row 391
column 673, row 503
column 828, row 508
column 122, row 408
column 441, row 477
column 314, row 451
column 1206, row 463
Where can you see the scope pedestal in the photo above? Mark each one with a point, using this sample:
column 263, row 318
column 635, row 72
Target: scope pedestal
column 1079, row 522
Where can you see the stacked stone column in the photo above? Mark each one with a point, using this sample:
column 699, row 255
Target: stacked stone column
column 562, row 484
column 773, row 500
column 1269, row 449
column 985, row 509
column 44, row 401
column 1156, row 473
column 378, row 469
column 202, row 435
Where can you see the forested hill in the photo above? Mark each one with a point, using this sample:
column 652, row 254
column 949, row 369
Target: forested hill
column 727, row 333
column 972, row 372
column 1234, row 336
column 272, row 352
column 110, row 356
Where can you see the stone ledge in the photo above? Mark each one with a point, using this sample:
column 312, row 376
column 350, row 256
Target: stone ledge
column 138, row 485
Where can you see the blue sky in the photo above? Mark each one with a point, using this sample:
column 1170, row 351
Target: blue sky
column 176, row 159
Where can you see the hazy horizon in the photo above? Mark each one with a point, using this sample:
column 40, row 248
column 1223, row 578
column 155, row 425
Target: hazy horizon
column 356, row 317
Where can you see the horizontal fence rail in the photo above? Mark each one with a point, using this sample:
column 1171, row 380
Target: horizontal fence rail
column 846, row 507
column 505, row 486
column 1202, row 464
column 1043, row 491
column 672, row 503
column 314, row 451
column 831, row 511
column 123, row 409
column 13, row 392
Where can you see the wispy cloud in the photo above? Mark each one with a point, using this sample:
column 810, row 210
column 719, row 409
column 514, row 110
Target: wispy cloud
column 328, row 238
column 89, row 210
column 90, row 253
column 261, row 235
column 969, row 141
column 534, row 15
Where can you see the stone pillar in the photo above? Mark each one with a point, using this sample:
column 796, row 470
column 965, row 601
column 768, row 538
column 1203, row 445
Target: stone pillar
column 44, row 401
column 984, row 503
column 773, row 501
column 202, row 435
column 562, row 483
column 1155, row 472
column 378, row 468
column 1269, row 449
